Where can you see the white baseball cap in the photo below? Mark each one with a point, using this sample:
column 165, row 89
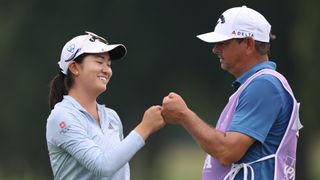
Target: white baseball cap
column 239, row 22
column 88, row 43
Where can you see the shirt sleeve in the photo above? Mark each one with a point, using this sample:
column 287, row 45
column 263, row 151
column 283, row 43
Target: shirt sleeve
column 258, row 108
column 68, row 133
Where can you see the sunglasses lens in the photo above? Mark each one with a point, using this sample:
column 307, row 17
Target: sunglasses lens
column 96, row 37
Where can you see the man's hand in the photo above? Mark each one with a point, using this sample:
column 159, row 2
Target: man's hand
column 174, row 109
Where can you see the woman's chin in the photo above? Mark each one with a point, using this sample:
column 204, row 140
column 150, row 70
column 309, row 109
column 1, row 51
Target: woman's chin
column 102, row 89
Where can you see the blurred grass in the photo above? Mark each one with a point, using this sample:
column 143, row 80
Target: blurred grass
column 314, row 158
column 24, row 176
column 179, row 161
column 176, row 161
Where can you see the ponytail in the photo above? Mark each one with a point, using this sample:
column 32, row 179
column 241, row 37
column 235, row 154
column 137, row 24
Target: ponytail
column 61, row 83
column 57, row 89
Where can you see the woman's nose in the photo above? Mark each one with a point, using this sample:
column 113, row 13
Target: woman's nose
column 106, row 68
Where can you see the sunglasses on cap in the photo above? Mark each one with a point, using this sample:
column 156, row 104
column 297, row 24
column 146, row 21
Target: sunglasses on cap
column 92, row 37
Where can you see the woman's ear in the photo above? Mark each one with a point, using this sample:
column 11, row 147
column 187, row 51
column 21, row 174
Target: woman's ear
column 74, row 68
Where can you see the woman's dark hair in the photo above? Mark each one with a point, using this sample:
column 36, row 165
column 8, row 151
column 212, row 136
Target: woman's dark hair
column 61, row 83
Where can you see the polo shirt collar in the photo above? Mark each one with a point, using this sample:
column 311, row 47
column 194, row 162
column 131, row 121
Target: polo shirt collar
column 263, row 65
column 77, row 105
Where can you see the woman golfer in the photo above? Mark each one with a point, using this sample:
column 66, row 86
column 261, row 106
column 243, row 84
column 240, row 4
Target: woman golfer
column 85, row 139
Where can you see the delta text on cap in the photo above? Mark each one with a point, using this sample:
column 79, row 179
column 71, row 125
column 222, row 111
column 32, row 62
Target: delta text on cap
column 239, row 22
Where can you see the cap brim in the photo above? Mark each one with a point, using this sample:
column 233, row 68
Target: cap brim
column 213, row 37
column 117, row 51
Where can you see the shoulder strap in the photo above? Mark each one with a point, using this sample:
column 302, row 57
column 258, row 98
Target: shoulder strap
column 271, row 72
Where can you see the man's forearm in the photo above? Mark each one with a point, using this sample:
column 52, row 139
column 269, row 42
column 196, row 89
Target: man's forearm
column 224, row 146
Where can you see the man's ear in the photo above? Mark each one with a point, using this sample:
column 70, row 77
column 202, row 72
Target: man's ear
column 74, row 68
column 250, row 45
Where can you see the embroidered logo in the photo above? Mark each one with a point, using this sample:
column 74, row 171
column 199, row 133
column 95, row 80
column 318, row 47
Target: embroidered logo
column 242, row 34
column 207, row 163
column 233, row 33
column 71, row 48
column 63, row 127
column 221, row 19
column 110, row 126
column 289, row 168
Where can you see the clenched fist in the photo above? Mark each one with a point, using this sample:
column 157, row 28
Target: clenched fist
column 174, row 109
column 151, row 122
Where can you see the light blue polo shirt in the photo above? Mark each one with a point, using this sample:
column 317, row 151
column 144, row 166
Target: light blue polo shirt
column 80, row 149
column 263, row 113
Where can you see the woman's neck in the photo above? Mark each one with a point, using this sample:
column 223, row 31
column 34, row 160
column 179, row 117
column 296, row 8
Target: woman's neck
column 87, row 101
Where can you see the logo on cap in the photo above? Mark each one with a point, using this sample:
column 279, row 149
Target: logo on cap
column 71, row 48
column 243, row 34
column 221, row 19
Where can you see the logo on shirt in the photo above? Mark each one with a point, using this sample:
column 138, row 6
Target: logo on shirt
column 289, row 169
column 110, row 126
column 207, row 162
column 63, row 127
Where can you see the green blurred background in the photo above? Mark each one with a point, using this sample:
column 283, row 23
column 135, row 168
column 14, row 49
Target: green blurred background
column 163, row 55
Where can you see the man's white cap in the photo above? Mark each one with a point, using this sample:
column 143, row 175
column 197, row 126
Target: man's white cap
column 239, row 22
column 89, row 43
